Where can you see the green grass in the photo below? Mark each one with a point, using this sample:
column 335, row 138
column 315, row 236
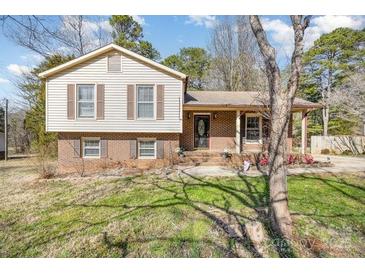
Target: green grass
column 182, row 217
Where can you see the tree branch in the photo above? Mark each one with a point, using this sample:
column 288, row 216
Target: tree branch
column 266, row 49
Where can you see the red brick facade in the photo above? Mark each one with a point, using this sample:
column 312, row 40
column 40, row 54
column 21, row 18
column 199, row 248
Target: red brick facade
column 118, row 150
column 222, row 130
column 222, row 135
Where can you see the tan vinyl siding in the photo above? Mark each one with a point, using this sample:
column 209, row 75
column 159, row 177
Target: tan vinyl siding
column 115, row 97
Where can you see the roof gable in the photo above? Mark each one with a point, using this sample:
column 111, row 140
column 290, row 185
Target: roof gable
column 105, row 49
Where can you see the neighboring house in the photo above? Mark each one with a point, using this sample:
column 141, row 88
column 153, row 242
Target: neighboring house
column 113, row 105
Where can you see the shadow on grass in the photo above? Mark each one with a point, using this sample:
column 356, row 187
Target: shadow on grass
column 339, row 180
column 261, row 203
column 342, row 189
column 231, row 222
column 123, row 244
column 228, row 220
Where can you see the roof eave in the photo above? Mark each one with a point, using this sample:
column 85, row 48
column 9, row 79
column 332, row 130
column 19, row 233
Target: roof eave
column 247, row 106
column 107, row 48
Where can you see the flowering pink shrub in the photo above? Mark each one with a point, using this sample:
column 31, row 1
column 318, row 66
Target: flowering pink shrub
column 264, row 161
column 308, row 159
column 292, row 159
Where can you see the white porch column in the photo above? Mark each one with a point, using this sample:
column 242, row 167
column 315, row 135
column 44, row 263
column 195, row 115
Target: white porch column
column 304, row 132
column 238, row 131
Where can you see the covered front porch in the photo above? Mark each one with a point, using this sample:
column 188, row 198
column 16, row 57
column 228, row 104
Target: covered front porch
column 241, row 130
column 219, row 120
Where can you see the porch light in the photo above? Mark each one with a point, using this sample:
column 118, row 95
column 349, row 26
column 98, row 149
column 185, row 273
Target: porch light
column 189, row 115
column 215, row 115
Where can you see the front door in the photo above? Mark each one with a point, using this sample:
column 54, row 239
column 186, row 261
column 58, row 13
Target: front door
column 201, row 131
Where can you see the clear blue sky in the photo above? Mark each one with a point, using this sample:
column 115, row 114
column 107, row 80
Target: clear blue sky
column 170, row 33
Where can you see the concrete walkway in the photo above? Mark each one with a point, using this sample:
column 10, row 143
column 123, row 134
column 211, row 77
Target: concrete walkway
column 341, row 164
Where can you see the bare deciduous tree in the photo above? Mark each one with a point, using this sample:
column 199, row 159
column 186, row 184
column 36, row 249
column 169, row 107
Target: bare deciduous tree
column 350, row 98
column 19, row 137
column 235, row 57
column 48, row 35
column 81, row 34
column 73, row 32
column 33, row 32
column 281, row 101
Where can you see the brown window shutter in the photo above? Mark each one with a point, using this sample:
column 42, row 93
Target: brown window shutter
column 77, row 147
column 100, row 90
column 160, row 149
column 160, row 102
column 103, row 148
column 130, row 102
column 132, row 149
column 71, row 101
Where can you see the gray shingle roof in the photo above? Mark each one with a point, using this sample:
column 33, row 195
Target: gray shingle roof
column 234, row 98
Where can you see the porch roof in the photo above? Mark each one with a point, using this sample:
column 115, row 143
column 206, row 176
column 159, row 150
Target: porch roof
column 236, row 99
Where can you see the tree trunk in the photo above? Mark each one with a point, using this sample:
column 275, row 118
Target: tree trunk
column 325, row 116
column 281, row 101
column 279, row 211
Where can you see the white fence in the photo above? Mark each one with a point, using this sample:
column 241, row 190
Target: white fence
column 338, row 144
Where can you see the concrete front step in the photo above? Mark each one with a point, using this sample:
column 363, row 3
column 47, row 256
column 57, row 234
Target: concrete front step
column 197, row 158
column 202, row 153
column 211, row 164
column 203, row 164
column 203, row 158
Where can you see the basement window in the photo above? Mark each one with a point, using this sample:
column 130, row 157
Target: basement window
column 147, row 149
column 91, row 147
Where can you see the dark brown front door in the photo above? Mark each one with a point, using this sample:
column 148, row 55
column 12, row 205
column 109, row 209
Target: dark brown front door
column 201, row 131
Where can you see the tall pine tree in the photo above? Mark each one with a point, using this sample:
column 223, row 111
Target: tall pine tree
column 128, row 33
column 327, row 64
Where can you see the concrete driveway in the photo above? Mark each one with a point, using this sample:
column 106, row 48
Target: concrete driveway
column 341, row 164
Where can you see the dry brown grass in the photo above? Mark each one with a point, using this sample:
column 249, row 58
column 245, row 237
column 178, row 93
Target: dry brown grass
column 159, row 216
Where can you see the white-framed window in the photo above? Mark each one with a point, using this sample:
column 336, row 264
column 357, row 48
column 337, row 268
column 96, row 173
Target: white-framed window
column 253, row 128
column 145, row 102
column 85, row 95
column 147, row 149
column 91, row 147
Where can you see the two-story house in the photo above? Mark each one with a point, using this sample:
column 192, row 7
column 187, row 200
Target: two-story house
column 113, row 105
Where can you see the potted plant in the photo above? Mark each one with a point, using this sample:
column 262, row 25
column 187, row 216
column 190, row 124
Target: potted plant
column 226, row 154
column 180, row 152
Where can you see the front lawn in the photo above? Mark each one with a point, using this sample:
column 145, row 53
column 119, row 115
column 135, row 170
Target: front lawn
column 182, row 217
